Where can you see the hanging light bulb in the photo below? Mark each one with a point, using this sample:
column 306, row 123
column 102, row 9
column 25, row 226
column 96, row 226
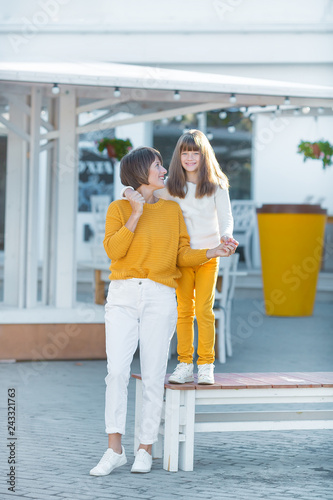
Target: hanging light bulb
column 165, row 121
column 306, row 110
column 179, row 118
column 117, row 92
column 223, row 115
column 231, row 129
column 243, row 109
column 320, row 110
column 252, row 118
column 296, row 112
column 55, row 89
column 176, row 95
column 210, row 136
column 278, row 111
column 287, row 100
column 233, row 98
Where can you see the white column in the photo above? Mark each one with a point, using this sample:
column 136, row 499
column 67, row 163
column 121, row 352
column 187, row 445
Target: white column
column 49, row 221
column 202, row 122
column 67, row 186
column 33, row 198
column 15, row 212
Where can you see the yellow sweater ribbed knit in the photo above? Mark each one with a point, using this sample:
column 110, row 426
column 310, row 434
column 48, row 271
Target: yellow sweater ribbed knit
column 158, row 245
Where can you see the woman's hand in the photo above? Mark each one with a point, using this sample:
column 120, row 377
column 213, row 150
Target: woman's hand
column 225, row 249
column 136, row 200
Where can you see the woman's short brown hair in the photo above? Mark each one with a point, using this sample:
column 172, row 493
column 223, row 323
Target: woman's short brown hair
column 134, row 167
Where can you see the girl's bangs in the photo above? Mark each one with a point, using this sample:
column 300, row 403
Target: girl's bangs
column 188, row 144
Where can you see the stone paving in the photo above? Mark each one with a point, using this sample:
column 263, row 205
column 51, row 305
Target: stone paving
column 60, row 427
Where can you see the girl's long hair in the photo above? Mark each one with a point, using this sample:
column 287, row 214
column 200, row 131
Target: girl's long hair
column 210, row 174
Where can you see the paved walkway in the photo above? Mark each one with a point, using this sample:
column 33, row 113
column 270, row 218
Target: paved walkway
column 60, row 427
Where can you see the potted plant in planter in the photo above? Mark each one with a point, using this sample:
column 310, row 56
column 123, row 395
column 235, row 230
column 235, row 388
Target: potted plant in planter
column 320, row 150
column 116, row 148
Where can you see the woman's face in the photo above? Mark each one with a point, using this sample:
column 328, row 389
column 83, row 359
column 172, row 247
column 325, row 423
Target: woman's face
column 156, row 174
column 190, row 160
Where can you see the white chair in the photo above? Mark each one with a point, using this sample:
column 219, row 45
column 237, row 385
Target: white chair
column 223, row 305
column 244, row 214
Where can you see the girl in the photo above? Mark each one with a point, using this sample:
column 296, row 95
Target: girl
column 197, row 183
column 146, row 239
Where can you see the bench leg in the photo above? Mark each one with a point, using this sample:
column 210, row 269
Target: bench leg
column 186, row 448
column 228, row 329
column 138, row 410
column 171, row 430
column 220, row 316
column 157, row 449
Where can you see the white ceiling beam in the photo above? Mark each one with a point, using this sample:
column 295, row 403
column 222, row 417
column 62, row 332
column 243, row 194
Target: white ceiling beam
column 18, row 103
column 102, row 103
column 101, row 118
column 47, row 146
column 46, row 124
column 159, row 115
column 14, row 128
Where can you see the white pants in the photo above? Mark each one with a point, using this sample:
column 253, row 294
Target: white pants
column 146, row 311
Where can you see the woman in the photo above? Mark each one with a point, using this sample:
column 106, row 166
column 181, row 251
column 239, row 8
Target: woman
column 145, row 238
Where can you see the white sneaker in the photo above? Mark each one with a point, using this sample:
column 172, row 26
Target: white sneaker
column 142, row 462
column 109, row 461
column 206, row 374
column 182, row 373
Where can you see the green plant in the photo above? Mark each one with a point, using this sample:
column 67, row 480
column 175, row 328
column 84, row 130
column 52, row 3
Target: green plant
column 320, row 150
column 116, row 148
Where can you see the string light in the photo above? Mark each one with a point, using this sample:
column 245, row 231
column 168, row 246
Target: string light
column 117, row 92
column 176, row 95
column 223, row 115
column 233, row 98
column 277, row 111
column 287, row 100
column 306, row 110
column 231, row 129
column 55, row 89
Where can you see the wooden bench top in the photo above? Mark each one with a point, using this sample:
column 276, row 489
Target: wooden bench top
column 257, row 381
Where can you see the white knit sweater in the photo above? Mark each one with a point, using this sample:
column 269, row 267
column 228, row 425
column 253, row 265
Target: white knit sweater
column 207, row 218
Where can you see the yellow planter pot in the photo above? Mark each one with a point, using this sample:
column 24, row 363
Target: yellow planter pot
column 291, row 244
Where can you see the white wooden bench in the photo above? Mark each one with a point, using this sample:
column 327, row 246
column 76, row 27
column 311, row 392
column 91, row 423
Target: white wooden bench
column 181, row 418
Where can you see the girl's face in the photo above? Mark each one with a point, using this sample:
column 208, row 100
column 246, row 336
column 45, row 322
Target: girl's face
column 156, row 174
column 190, row 161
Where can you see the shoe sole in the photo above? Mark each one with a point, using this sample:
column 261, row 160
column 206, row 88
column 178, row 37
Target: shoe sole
column 140, row 471
column 107, row 473
column 189, row 379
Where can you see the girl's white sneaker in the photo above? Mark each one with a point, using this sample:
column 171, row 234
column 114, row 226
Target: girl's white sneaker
column 206, row 374
column 182, row 373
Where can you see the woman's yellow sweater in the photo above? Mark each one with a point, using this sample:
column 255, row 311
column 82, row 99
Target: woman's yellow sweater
column 158, row 245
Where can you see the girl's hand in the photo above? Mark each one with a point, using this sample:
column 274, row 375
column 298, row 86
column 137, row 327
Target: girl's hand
column 136, row 200
column 227, row 239
column 223, row 250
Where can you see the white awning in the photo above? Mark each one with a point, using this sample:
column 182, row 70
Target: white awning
column 157, row 83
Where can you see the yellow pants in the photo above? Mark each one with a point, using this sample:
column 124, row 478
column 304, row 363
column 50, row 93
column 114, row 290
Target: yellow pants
column 195, row 294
